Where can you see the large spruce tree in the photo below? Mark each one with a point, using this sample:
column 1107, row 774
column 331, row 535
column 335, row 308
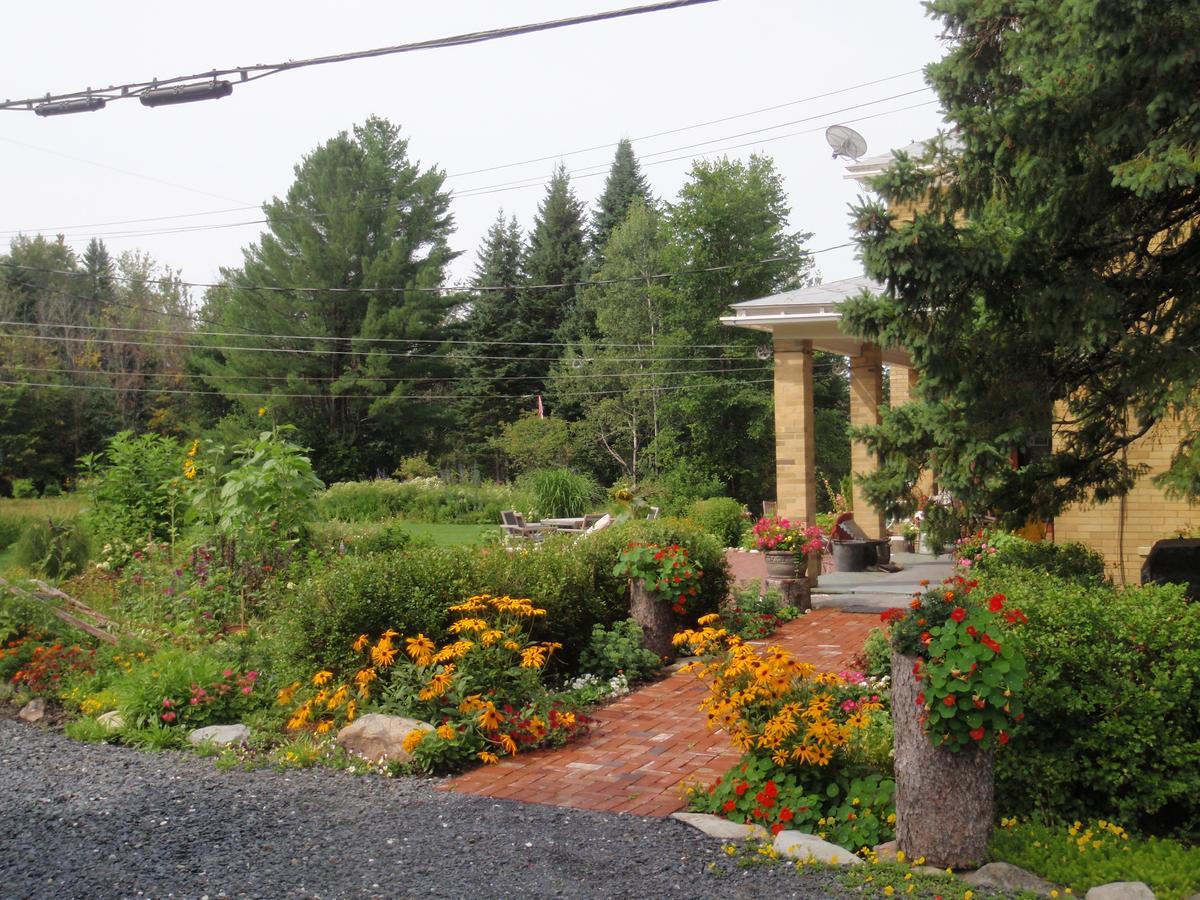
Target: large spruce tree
column 624, row 187
column 1042, row 266
column 359, row 246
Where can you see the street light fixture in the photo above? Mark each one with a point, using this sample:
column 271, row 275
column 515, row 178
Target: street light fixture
column 186, row 93
column 66, row 107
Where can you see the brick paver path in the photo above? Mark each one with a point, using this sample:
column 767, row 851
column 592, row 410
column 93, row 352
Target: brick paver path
column 648, row 745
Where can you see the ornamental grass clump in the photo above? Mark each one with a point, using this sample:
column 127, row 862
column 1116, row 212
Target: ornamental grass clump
column 969, row 663
column 482, row 689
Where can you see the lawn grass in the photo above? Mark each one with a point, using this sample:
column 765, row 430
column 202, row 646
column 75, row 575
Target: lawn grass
column 450, row 535
column 62, row 507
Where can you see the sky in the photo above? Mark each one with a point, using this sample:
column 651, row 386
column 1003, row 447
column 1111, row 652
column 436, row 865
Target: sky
column 537, row 98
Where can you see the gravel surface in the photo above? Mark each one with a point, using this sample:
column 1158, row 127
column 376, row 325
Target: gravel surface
column 94, row 821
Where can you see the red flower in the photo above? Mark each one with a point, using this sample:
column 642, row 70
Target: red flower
column 949, row 700
column 977, row 734
column 959, row 614
column 971, row 631
column 920, row 701
column 1015, row 617
column 757, row 813
column 741, row 788
column 776, row 828
column 980, row 704
column 917, row 667
column 786, row 815
column 916, row 603
column 996, row 603
column 771, row 790
column 729, row 806
column 990, row 644
column 1002, row 737
column 926, row 637
column 895, row 614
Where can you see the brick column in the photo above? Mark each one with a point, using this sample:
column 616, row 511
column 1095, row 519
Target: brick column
column 903, row 380
column 866, row 394
column 795, row 442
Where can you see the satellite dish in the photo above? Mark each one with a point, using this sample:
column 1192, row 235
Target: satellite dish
column 845, row 142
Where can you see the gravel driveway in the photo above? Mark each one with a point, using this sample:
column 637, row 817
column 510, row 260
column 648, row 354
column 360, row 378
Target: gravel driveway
column 93, row 821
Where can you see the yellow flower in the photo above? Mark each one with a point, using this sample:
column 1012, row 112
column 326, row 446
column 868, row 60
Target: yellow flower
column 708, row 619
column 350, row 710
column 509, row 745
column 967, row 895
column 361, row 642
column 888, row 890
column 489, row 758
column 438, row 684
column 413, row 738
column 899, row 856
column 420, row 648
column 321, row 677
column 470, row 704
column 324, row 726
column 489, row 718
column 1053, row 894
column 468, row 624
column 262, row 411
column 363, row 677
column 383, row 653
column 338, row 698
column 533, row 657
column 446, row 732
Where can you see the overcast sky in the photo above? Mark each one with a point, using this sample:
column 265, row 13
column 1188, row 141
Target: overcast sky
column 463, row 109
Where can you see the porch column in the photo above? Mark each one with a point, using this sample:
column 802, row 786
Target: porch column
column 795, row 442
column 866, row 394
column 903, row 381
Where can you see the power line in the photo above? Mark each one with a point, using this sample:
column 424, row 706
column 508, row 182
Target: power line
column 306, row 351
column 518, row 184
column 450, row 289
column 426, row 397
column 178, row 88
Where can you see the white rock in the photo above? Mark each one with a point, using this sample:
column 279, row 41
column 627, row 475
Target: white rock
column 1004, row 876
column 33, row 711
column 112, row 720
column 378, row 737
column 717, row 827
column 1121, row 890
column 798, row 845
column 221, row 735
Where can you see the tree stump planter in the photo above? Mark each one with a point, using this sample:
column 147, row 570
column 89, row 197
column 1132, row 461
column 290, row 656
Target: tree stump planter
column 655, row 617
column 812, row 569
column 944, row 801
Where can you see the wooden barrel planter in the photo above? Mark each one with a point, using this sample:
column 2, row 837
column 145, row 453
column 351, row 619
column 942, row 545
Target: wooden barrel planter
column 944, row 799
column 655, row 617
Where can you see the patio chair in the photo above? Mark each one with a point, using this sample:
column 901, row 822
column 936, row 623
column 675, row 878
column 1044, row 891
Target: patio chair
column 770, row 507
column 653, row 514
column 512, row 523
column 599, row 523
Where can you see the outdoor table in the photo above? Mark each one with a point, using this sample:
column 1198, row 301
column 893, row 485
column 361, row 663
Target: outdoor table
column 569, row 523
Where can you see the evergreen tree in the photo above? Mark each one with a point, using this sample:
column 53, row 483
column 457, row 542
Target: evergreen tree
column 100, row 283
column 624, row 186
column 557, row 255
column 494, row 316
column 369, row 229
column 1048, row 277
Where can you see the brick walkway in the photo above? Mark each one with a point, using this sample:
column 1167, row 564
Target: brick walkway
column 649, row 744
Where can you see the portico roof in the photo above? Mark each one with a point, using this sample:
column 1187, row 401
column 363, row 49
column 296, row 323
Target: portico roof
column 812, row 313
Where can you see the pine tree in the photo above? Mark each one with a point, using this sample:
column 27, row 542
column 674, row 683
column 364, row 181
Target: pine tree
column 557, row 256
column 100, row 284
column 494, row 316
column 366, row 222
column 624, row 186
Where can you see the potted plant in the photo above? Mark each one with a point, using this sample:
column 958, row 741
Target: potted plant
column 957, row 674
column 787, row 546
column 662, row 582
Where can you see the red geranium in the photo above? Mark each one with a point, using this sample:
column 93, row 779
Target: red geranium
column 959, row 614
column 996, row 603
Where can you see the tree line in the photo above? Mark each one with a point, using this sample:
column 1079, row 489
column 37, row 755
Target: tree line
column 590, row 341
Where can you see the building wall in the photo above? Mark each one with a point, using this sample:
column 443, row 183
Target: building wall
column 1125, row 529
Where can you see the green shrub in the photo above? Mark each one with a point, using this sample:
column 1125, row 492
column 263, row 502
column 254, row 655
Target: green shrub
column 752, row 613
column 1112, row 704
column 415, row 466
column 135, row 487
column 20, row 616
column 618, row 651
column 423, row 500
column 877, row 654
column 87, row 729
column 1088, row 854
column 722, row 516
column 410, row 591
column 55, row 548
column 560, row 492
column 23, row 489
column 158, row 691
column 989, row 551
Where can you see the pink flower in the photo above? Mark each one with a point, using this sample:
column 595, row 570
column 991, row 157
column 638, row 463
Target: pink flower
column 167, row 702
column 247, row 689
column 227, row 673
column 849, row 705
column 168, row 717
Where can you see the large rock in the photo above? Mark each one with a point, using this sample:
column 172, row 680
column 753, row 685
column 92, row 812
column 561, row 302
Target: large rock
column 1120, row 890
column 886, row 852
column 717, row 827
column 112, row 720
column 798, row 845
column 33, row 711
column 378, row 737
column 1003, row 876
column 221, row 735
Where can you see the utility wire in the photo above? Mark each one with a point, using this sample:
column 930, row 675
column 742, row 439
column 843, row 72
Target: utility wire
column 428, row 397
column 307, row 351
column 262, row 70
column 449, row 289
